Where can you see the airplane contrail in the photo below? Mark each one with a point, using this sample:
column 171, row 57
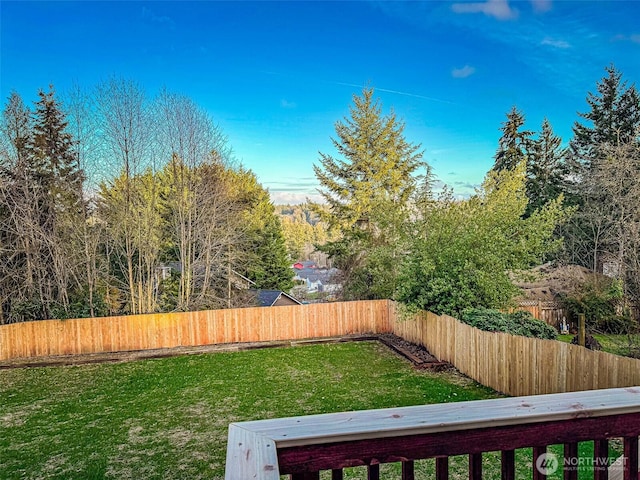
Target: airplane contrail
column 387, row 90
column 397, row 92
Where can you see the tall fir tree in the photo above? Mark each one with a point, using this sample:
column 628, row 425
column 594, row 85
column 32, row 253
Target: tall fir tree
column 514, row 142
column 265, row 261
column 613, row 119
column 613, row 123
column 377, row 164
column 53, row 155
column 367, row 189
column 42, row 196
column 54, row 164
column 16, row 131
column 545, row 168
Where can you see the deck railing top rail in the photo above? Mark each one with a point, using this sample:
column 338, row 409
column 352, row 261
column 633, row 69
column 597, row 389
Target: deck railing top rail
column 254, row 447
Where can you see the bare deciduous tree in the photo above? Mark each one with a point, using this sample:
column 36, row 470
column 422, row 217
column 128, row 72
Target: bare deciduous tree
column 80, row 107
column 188, row 136
column 124, row 121
column 604, row 232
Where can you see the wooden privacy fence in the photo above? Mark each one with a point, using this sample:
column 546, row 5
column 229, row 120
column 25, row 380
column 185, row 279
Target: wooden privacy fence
column 166, row 330
column 511, row 364
column 518, row 365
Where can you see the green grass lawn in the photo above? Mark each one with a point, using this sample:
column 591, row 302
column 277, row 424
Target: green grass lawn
column 616, row 344
column 168, row 418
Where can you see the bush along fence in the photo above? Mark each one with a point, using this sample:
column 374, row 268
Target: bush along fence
column 551, row 313
column 511, row 364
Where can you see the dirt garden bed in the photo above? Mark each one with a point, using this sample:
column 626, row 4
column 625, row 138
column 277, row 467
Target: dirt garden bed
column 416, row 354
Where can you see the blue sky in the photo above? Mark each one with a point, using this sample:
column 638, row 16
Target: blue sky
column 276, row 76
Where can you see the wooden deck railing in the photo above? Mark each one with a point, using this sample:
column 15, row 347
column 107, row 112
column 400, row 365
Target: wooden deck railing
column 304, row 446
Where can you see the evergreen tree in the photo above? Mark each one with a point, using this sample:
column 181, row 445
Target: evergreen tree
column 514, row 142
column 614, row 116
column 42, row 203
column 377, row 164
column 16, row 130
column 367, row 189
column 270, row 268
column 53, row 155
column 613, row 123
column 264, row 252
column 545, row 169
column 54, row 166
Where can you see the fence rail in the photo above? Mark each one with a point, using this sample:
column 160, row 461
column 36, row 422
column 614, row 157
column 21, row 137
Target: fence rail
column 167, row 330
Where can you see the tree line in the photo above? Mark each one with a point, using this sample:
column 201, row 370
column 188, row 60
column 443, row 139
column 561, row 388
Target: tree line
column 105, row 192
column 302, row 230
column 541, row 200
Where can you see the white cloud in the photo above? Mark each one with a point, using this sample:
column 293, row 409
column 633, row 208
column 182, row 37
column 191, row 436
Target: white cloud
column 287, row 104
column 635, row 38
column 541, row 6
column 463, row 72
column 499, row 9
column 466, row 186
column 463, row 190
column 162, row 20
column 294, row 198
column 555, row 43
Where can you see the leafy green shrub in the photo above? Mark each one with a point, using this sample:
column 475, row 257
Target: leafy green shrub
column 80, row 305
column 169, row 292
column 25, row 310
column 598, row 303
column 516, row 323
column 596, row 308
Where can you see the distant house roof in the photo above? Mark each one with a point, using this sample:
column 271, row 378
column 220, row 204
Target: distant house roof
column 316, row 278
column 305, row 264
column 315, row 274
column 270, row 298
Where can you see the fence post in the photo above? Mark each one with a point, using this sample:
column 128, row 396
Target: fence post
column 581, row 330
column 540, row 317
